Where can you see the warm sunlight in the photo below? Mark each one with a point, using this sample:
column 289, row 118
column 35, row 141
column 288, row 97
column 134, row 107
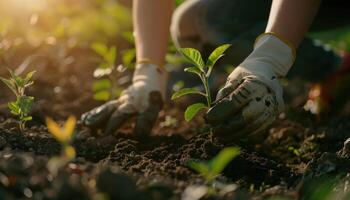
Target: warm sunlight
column 174, row 99
column 20, row 6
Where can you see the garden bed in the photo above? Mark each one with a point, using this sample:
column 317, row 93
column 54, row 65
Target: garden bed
column 285, row 161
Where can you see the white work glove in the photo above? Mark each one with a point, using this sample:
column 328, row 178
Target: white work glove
column 252, row 96
column 143, row 98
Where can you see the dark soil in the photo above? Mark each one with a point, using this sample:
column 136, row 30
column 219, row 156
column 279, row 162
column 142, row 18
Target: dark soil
column 296, row 152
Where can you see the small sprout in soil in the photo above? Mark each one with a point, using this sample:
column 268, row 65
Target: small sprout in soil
column 294, row 151
column 23, row 104
column 64, row 135
column 210, row 170
column 203, row 71
column 106, row 87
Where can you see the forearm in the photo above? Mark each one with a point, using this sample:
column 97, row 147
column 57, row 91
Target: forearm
column 151, row 25
column 291, row 18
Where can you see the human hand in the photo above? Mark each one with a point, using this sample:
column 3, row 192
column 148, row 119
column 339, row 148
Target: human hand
column 144, row 99
column 252, row 97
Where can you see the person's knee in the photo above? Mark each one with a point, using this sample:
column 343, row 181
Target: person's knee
column 184, row 27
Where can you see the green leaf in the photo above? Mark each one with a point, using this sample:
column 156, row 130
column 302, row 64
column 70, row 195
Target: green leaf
column 26, row 118
column 18, row 81
column 12, row 105
column 14, row 112
column 10, row 84
column 192, row 110
column 13, row 108
column 185, row 91
column 215, row 56
column 99, row 48
column 102, row 84
column 193, row 56
column 209, row 170
column 13, row 75
column 25, row 104
column 199, row 167
column 30, row 75
column 128, row 36
column 225, row 156
column 178, row 2
column 28, row 78
column 111, row 56
column 194, row 70
column 128, row 56
column 102, row 95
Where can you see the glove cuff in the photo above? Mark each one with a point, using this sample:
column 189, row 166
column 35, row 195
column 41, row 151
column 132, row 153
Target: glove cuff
column 145, row 72
column 281, row 38
column 271, row 50
column 155, row 77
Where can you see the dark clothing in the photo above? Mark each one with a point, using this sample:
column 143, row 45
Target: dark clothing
column 239, row 22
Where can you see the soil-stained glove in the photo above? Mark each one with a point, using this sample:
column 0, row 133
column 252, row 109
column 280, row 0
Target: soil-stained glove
column 144, row 98
column 252, row 96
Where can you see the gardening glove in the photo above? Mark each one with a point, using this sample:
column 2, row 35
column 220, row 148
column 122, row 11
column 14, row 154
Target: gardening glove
column 144, row 98
column 252, row 96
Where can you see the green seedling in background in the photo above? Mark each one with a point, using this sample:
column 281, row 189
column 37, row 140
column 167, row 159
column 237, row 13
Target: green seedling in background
column 106, row 87
column 203, row 71
column 128, row 55
column 211, row 169
column 23, row 104
column 179, row 2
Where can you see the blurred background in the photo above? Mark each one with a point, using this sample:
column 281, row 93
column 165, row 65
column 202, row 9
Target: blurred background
column 76, row 46
column 57, row 40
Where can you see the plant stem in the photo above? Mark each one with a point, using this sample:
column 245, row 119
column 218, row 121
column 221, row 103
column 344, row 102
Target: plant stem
column 207, row 89
column 208, row 93
column 111, row 77
column 21, row 126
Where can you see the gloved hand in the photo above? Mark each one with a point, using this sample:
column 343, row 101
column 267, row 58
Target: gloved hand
column 143, row 98
column 252, row 96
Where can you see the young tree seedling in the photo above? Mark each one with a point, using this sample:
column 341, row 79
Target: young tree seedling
column 203, row 70
column 106, row 87
column 23, row 104
column 211, row 169
column 64, row 135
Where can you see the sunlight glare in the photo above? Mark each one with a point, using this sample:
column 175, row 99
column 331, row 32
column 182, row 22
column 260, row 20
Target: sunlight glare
column 26, row 5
